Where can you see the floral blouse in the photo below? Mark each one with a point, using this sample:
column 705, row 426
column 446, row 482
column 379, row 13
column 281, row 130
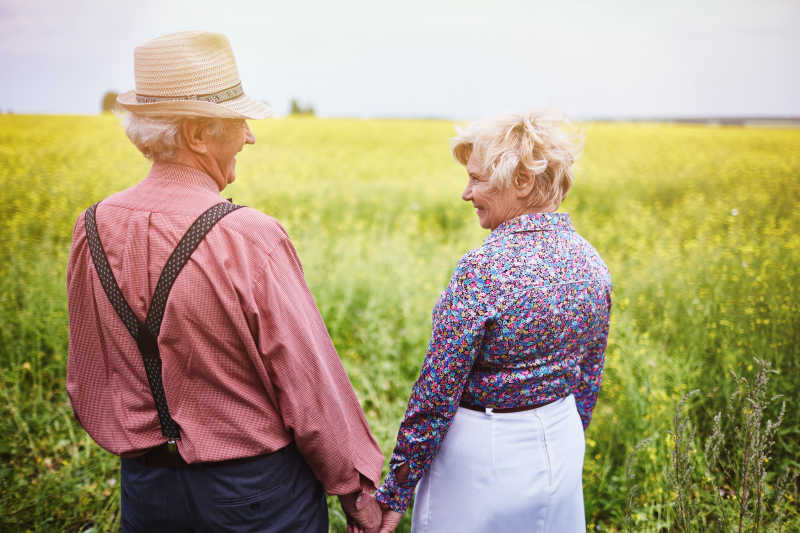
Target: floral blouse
column 524, row 321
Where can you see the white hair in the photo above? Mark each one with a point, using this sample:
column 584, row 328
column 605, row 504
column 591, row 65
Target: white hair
column 539, row 144
column 159, row 137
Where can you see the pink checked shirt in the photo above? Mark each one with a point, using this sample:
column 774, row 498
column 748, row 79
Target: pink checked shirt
column 248, row 365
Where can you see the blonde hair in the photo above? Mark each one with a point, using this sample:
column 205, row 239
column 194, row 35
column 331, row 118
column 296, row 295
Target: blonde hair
column 542, row 145
column 158, row 138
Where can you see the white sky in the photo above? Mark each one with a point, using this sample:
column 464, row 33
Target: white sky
column 457, row 59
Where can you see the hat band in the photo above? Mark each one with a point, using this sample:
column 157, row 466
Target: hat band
column 215, row 98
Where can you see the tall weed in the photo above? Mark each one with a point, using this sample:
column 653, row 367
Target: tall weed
column 732, row 482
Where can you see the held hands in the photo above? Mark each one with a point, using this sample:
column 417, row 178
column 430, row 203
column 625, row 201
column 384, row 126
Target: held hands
column 390, row 519
column 362, row 512
column 365, row 515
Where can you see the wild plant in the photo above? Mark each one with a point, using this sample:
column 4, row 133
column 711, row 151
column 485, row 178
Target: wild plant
column 632, row 489
column 680, row 470
column 747, row 449
column 735, row 465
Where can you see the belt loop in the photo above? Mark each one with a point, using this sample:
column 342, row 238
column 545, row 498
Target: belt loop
column 489, row 411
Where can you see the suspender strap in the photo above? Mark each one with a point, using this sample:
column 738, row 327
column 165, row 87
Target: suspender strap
column 146, row 334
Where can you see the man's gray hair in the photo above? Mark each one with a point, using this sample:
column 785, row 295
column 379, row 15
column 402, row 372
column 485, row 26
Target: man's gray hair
column 158, row 138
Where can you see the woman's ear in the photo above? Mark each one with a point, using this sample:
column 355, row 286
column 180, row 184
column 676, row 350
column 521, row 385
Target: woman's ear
column 522, row 182
column 193, row 134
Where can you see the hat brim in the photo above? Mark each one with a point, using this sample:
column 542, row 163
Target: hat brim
column 241, row 107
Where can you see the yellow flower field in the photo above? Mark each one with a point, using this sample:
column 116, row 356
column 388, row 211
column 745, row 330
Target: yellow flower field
column 700, row 227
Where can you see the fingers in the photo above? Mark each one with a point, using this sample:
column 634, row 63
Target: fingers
column 363, row 512
column 368, row 516
column 353, row 527
column 390, row 521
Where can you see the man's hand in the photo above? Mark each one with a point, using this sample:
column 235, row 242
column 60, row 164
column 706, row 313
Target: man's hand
column 362, row 511
column 390, row 519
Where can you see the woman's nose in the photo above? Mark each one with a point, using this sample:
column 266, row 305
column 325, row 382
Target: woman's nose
column 466, row 194
column 249, row 138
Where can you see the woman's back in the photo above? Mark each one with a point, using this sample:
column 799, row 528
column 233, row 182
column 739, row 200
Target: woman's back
column 545, row 294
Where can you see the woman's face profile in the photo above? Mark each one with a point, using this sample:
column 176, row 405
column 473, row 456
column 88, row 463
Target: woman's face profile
column 493, row 205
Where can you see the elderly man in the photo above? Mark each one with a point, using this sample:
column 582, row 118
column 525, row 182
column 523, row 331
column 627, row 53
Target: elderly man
column 196, row 351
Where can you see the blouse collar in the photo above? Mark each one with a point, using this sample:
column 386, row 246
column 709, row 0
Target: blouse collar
column 532, row 222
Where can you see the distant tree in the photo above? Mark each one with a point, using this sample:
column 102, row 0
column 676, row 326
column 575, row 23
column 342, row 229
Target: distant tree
column 295, row 108
column 109, row 102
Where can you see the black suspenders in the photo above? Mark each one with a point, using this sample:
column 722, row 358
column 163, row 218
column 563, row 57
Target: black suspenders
column 146, row 334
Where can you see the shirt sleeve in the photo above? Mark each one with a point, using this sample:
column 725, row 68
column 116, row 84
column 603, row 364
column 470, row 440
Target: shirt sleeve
column 459, row 321
column 587, row 387
column 311, row 390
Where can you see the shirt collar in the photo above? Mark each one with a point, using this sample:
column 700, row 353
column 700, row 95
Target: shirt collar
column 183, row 175
column 532, row 222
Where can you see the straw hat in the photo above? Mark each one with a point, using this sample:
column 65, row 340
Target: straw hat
column 190, row 73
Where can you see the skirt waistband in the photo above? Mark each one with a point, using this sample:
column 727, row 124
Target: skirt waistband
column 545, row 409
column 487, row 410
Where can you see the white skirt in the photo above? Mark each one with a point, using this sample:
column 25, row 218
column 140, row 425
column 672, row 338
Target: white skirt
column 506, row 472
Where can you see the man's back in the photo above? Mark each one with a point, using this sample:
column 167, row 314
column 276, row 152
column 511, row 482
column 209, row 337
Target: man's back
column 242, row 344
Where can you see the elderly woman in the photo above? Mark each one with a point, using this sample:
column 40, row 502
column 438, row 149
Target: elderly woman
column 493, row 432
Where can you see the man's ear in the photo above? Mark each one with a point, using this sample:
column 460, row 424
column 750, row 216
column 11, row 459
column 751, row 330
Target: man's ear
column 523, row 182
column 194, row 136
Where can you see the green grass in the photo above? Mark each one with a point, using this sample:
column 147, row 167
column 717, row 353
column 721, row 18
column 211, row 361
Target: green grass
column 700, row 228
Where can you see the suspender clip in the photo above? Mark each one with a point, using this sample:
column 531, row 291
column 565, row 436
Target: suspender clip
column 172, row 447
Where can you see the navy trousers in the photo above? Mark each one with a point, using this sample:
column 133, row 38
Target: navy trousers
column 270, row 494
